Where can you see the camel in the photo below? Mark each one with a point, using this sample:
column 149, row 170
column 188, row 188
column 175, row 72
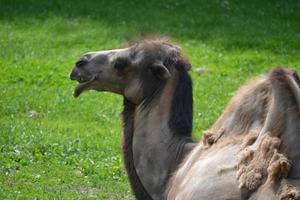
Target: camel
column 250, row 152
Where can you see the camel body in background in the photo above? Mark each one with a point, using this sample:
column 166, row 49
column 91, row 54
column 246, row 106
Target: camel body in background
column 251, row 152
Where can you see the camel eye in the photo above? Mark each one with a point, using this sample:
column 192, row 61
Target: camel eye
column 81, row 62
column 121, row 63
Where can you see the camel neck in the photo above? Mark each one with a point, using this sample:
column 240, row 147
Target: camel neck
column 128, row 121
column 155, row 137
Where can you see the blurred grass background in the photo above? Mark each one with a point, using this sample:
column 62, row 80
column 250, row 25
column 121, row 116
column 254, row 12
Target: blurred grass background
column 53, row 146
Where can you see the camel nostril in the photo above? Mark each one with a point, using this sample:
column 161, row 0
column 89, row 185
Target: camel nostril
column 80, row 80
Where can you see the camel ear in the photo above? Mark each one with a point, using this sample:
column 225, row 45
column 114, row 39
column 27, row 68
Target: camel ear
column 159, row 70
column 184, row 64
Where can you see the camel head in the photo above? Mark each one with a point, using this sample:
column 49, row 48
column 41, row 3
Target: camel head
column 134, row 72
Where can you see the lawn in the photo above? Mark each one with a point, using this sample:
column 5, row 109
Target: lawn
column 53, row 146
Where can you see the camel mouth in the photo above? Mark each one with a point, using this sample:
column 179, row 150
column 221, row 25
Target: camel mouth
column 82, row 86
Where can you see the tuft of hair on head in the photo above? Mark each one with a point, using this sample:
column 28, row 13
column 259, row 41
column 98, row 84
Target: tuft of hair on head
column 146, row 37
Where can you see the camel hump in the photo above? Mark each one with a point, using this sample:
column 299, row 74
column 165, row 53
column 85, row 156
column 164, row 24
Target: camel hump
column 285, row 87
column 261, row 129
column 274, row 160
column 284, row 102
column 283, row 119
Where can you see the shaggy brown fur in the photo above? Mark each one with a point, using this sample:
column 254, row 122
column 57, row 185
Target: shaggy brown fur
column 288, row 192
column 210, row 138
column 255, row 165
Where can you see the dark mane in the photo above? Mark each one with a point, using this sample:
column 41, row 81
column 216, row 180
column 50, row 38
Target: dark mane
column 181, row 117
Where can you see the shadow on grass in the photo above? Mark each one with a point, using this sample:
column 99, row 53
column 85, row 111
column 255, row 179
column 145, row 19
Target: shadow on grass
column 226, row 24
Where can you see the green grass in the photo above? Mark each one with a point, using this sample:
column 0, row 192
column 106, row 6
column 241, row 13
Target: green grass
column 71, row 149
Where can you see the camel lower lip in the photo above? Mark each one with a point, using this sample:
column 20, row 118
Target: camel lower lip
column 78, row 90
column 81, row 87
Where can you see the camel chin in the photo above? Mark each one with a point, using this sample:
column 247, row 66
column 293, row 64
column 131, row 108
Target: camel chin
column 84, row 86
column 79, row 89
